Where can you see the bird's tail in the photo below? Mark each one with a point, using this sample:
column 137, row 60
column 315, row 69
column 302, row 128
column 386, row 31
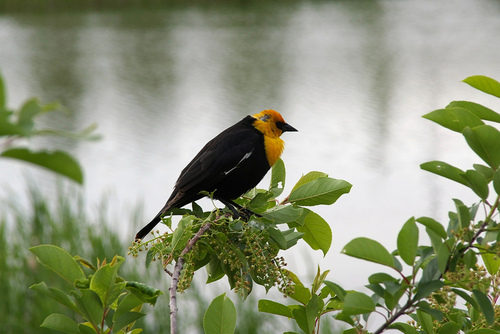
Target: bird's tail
column 146, row 229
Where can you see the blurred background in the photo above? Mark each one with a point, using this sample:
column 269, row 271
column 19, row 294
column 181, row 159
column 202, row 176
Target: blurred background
column 162, row 78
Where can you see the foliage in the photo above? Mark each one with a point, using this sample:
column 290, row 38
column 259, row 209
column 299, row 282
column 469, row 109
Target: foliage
column 449, row 286
column 461, row 261
column 246, row 250
column 323, row 297
column 16, row 125
column 106, row 302
column 65, row 221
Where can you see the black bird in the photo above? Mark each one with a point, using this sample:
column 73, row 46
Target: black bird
column 230, row 164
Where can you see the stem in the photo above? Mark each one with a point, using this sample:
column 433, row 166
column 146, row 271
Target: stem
column 411, row 302
column 176, row 274
column 481, row 229
column 485, row 224
column 408, row 305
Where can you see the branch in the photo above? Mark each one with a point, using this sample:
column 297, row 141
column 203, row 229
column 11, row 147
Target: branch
column 481, row 229
column 395, row 316
column 176, row 274
column 411, row 302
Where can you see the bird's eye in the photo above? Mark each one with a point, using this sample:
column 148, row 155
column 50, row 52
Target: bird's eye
column 265, row 118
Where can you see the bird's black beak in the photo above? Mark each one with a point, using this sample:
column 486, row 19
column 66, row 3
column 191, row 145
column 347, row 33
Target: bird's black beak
column 286, row 127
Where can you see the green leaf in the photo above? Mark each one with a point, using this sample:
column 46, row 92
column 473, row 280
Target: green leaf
column 450, row 328
column 7, row 128
column 311, row 176
column 479, row 110
column 358, row 303
column 292, row 237
column 260, row 201
column 3, row 95
column 220, row 317
column 436, row 240
column 182, row 233
column 129, row 303
column 278, row 237
column 433, row 225
column 436, row 314
column 90, row 305
column 485, row 305
column 444, row 253
column 485, row 171
column 425, row 289
column 484, row 84
column 381, row 278
column 431, row 271
column 305, row 316
column 214, row 269
column 58, row 295
column 28, row 111
column 61, row 323
column 59, row 261
column 282, row 214
column 269, row 306
column 491, row 262
column 336, row 289
column 86, row 328
column 455, row 119
column 126, row 319
column 496, row 181
column 463, row 213
column 323, row 190
column 477, row 183
column 58, row 161
column 369, row 250
column 103, row 282
column 466, row 297
column 425, row 321
column 403, row 327
column 278, row 175
column 483, row 331
column 408, row 242
column 301, row 294
column 484, row 140
column 446, row 170
column 317, row 232
column 144, row 292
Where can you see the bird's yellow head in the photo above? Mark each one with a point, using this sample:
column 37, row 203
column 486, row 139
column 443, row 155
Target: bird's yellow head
column 272, row 125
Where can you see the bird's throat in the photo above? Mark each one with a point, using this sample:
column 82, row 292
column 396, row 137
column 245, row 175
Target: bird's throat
column 274, row 147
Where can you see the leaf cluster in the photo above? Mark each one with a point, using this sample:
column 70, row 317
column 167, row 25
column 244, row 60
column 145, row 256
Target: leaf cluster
column 106, row 302
column 246, row 249
column 462, row 260
column 19, row 124
column 449, row 286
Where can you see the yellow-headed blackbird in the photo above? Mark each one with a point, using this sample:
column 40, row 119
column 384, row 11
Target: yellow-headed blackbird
column 230, row 164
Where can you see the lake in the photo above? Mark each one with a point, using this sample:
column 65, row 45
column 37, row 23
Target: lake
column 354, row 77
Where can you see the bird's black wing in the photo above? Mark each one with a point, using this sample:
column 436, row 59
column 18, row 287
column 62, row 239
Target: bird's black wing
column 230, row 150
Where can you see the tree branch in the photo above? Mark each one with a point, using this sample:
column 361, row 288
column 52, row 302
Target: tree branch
column 176, row 274
column 395, row 316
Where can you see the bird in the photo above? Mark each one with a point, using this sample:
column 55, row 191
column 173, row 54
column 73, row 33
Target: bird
column 229, row 165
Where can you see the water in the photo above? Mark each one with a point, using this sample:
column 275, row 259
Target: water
column 354, row 77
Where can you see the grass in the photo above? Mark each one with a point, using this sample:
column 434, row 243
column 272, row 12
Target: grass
column 66, row 222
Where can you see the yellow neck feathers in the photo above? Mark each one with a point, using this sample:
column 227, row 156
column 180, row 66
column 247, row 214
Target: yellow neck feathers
column 265, row 122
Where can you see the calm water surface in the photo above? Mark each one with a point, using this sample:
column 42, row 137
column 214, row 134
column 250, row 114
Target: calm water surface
column 354, row 77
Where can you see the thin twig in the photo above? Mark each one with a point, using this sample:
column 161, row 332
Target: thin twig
column 176, row 274
column 411, row 302
column 396, row 315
